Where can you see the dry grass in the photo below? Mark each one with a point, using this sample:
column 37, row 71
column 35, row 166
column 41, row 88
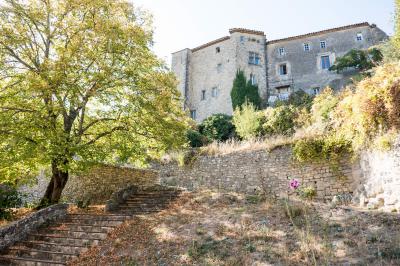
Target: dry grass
column 211, row 228
column 17, row 214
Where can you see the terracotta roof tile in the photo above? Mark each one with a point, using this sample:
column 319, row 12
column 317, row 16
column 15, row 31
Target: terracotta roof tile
column 210, row 43
column 364, row 24
column 242, row 30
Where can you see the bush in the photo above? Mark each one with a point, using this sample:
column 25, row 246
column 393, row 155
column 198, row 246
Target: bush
column 9, row 198
column 323, row 106
column 196, row 139
column 280, row 120
column 300, row 99
column 322, row 148
column 247, row 121
column 217, row 127
column 372, row 110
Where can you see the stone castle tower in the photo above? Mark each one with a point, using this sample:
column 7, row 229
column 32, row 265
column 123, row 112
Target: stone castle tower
column 278, row 67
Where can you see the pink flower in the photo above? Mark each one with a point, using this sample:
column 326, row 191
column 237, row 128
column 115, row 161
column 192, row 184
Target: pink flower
column 294, row 184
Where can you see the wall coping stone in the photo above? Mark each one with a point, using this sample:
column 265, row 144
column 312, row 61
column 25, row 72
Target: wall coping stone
column 18, row 230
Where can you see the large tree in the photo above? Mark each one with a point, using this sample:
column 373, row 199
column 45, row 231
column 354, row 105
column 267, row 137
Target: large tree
column 80, row 85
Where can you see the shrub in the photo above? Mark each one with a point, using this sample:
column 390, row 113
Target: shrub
column 308, row 192
column 322, row 148
column 196, row 139
column 359, row 59
column 280, row 120
column 372, row 110
column 323, row 105
column 9, row 198
column 217, row 127
column 247, row 121
column 300, row 99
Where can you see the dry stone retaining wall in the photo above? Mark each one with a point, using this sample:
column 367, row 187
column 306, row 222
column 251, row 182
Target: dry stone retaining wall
column 254, row 171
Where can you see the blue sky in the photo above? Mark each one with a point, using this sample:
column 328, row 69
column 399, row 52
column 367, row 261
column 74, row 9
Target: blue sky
column 183, row 24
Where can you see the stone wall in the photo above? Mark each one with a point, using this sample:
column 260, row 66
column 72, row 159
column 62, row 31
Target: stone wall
column 380, row 182
column 97, row 184
column 254, row 171
column 18, row 230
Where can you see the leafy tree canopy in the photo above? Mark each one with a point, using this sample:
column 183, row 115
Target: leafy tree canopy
column 217, row 127
column 79, row 85
column 358, row 59
column 243, row 91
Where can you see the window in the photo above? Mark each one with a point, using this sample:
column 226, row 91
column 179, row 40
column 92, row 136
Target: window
column 214, row 92
column 316, row 90
column 306, row 47
column 193, row 114
column 323, row 44
column 219, row 68
column 283, row 92
column 254, row 58
column 253, row 79
column 325, row 62
column 283, row 70
column 281, row 51
column 242, row 39
column 203, row 95
column 218, row 50
column 359, row 37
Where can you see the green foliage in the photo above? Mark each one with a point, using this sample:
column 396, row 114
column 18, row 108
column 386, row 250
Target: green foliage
column 323, row 105
column 300, row 99
column 77, row 89
column 196, row 139
column 280, row 120
column 243, row 91
column 308, row 192
column 217, row 127
column 322, row 148
column 358, row 59
column 9, row 198
column 248, row 121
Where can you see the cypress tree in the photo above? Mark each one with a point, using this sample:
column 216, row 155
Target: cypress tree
column 243, row 90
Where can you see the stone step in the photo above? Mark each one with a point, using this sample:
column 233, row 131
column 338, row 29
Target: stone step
column 73, row 234
column 87, row 222
column 81, row 228
column 47, row 246
column 97, row 217
column 62, row 240
column 40, row 254
column 10, row 260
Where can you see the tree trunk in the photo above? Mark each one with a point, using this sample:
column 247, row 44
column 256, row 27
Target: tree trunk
column 57, row 183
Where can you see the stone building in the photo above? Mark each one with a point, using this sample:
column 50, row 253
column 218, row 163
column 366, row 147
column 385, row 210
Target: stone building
column 278, row 67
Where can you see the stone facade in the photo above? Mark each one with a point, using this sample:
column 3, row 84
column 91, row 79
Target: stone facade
column 97, row 185
column 206, row 73
column 251, row 172
column 18, row 230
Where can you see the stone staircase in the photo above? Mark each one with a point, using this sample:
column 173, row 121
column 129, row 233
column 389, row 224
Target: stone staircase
column 61, row 241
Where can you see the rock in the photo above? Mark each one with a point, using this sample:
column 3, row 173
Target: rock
column 375, row 203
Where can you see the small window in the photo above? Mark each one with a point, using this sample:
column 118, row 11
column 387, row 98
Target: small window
column 316, row 90
column 359, row 37
column 323, row 44
column 283, row 70
column 219, row 68
column 218, row 50
column 193, row 114
column 254, row 58
column 214, row 92
column 203, row 95
column 253, row 79
column 306, row 47
column 325, row 62
column 281, row 51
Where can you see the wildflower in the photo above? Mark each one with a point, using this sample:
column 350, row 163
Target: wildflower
column 294, row 184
